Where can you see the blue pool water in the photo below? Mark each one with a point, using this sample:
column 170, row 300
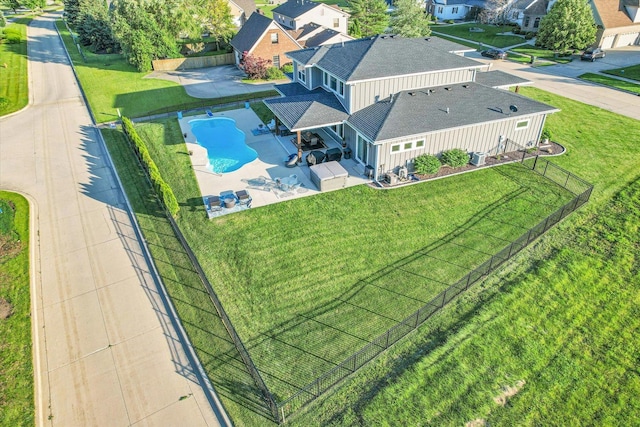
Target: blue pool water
column 225, row 143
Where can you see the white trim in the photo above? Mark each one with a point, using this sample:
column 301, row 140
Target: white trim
column 403, row 145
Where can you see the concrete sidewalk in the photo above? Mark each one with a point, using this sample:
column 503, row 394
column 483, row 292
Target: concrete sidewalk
column 107, row 348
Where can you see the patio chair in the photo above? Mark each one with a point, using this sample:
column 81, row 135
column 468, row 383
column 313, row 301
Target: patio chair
column 272, row 125
column 315, row 157
column 209, row 113
column 215, row 204
column 244, row 199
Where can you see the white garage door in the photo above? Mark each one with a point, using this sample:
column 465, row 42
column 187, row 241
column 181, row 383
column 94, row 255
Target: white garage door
column 627, row 39
column 607, row 42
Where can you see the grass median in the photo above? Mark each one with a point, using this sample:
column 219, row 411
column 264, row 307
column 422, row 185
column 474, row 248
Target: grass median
column 16, row 369
column 14, row 90
column 612, row 82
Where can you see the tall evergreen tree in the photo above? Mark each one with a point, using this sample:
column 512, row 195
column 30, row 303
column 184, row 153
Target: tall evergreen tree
column 410, row 20
column 568, row 25
column 369, row 17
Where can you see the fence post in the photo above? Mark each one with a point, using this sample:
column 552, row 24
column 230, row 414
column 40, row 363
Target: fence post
column 546, row 165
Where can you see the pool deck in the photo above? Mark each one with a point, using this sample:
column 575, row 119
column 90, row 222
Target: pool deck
column 259, row 176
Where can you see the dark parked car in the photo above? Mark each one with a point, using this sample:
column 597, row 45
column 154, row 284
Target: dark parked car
column 591, row 54
column 494, row 53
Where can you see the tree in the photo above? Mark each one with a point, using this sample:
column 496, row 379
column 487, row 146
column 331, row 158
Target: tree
column 146, row 31
column 255, row 67
column 410, row 20
column 496, row 12
column 568, row 25
column 368, row 17
column 11, row 4
column 218, row 21
column 3, row 22
column 94, row 27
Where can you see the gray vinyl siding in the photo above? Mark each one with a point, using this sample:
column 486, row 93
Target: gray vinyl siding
column 350, row 137
column 366, row 93
column 316, row 77
column 480, row 138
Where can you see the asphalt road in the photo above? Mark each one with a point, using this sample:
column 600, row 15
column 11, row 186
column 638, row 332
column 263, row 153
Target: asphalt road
column 106, row 348
column 561, row 79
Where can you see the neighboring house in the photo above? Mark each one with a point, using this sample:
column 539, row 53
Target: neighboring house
column 618, row 22
column 392, row 99
column 241, row 10
column 452, row 9
column 528, row 13
column 267, row 39
column 295, row 14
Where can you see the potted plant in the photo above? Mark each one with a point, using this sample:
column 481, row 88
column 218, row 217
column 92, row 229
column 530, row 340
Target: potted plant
column 546, row 136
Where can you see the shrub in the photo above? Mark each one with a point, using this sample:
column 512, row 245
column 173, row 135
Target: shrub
column 455, row 157
column 255, row 67
column 450, row 21
column 529, row 35
column 12, row 35
column 287, row 68
column 427, row 164
column 274, row 73
column 546, row 134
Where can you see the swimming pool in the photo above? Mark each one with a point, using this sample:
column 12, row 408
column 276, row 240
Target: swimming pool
column 225, row 143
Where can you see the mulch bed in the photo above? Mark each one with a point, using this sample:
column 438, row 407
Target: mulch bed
column 550, row 149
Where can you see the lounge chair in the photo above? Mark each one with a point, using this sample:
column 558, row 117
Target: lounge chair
column 209, row 113
column 272, row 125
column 292, row 160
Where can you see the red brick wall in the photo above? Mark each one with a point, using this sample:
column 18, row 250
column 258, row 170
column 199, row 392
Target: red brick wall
column 267, row 50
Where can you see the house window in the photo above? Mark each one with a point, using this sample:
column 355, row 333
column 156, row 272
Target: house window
column 526, row 21
column 408, row 145
column 536, row 23
column 276, row 61
column 302, row 75
column 420, row 144
column 514, row 15
column 336, row 22
column 274, row 38
column 325, row 79
column 341, row 88
column 454, row 10
column 440, row 9
column 522, row 124
column 333, row 83
column 395, row 148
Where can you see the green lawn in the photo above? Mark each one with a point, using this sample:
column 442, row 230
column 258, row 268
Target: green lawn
column 540, row 53
column 246, row 247
column 632, row 72
column 611, row 82
column 319, row 299
column 111, row 83
column 14, row 90
column 16, row 370
column 488, row 37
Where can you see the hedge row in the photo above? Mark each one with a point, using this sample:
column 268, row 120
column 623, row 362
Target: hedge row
column 159, row 184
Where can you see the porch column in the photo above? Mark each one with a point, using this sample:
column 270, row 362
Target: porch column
column 299, row 140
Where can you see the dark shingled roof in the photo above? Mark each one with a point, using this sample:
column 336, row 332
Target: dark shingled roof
column 381, row 57
column 499, row 78
column 448, row 46
column 250, row 32
column 295, row 8
column 416, row 112
column 537, row 7
column 303, row 109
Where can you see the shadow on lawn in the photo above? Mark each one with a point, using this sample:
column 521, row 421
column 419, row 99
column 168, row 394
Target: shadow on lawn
column 294, row 354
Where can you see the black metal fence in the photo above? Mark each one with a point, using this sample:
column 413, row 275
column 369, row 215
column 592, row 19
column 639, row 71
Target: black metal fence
column 582, row 191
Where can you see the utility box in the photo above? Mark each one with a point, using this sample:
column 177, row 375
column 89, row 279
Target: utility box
column 478, row 159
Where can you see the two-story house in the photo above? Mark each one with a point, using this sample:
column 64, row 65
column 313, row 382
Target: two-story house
column 265, row 38
column 391, row 99
column 444, row 10
column 295, row 14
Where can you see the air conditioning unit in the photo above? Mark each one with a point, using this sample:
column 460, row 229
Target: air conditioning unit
column 478, row 159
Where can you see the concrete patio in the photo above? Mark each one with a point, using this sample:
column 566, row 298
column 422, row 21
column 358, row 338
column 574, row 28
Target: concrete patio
column 268, row 167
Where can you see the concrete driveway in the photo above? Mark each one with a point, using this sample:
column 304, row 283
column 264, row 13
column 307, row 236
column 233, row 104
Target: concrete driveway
column 212, row 82
column 561, row 79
